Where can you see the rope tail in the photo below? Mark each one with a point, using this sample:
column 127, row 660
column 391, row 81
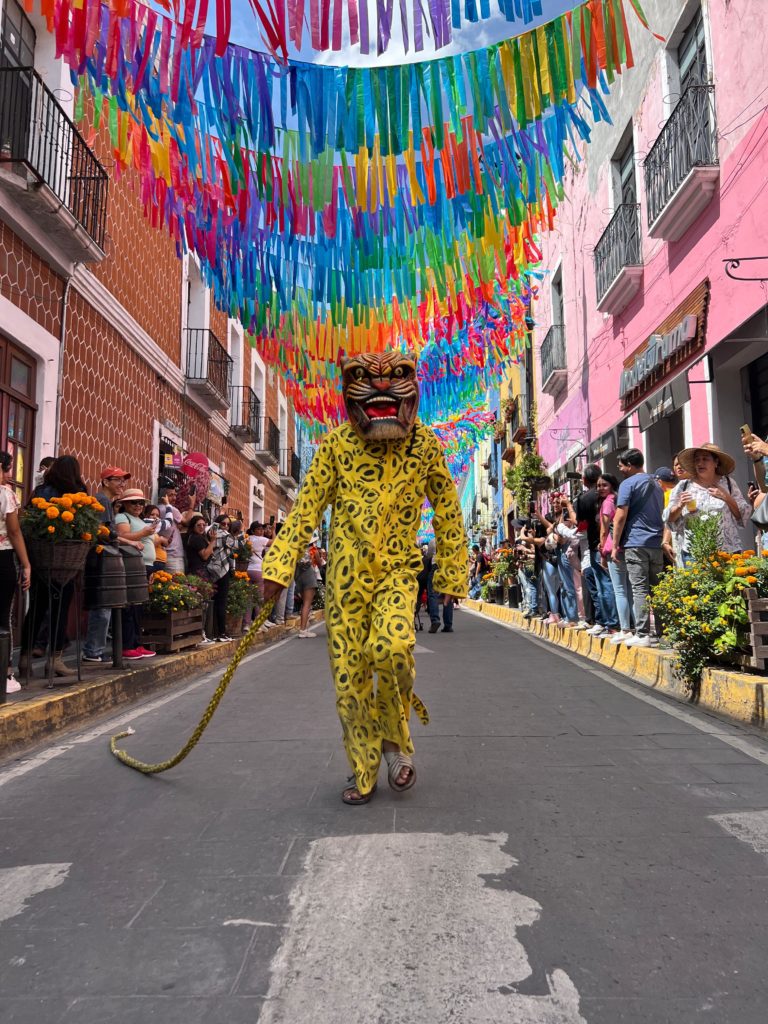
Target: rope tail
column 163, row 766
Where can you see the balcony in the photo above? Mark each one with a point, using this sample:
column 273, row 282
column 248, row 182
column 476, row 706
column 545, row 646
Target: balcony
column 619, row 261
column 245, row 416
column 682, row 170
column 517, row 429
column 290, row 469
column 268, row 445
column 554, row 363
column 47, row 168
column 209, row 368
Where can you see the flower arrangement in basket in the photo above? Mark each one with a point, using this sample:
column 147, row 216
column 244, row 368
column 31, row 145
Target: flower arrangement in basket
column 59, row 532
column 70, row 517
column 169, row 593
column 243, row 594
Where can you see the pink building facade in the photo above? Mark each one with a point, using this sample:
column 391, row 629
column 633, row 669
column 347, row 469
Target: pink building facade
column 642, row 338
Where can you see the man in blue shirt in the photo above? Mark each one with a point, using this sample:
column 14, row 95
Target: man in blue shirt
column 638, row 529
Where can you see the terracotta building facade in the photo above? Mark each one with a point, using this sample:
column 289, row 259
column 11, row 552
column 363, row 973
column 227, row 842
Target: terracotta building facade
column 111, row 347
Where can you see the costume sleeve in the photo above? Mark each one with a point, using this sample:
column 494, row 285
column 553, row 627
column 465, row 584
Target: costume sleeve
column 451, row 573
column 317, row 492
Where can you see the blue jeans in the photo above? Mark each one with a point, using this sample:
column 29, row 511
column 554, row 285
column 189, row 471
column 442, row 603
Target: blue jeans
column 434, row 600
column 528, row 585
column 606, row 600
column 568, row 592
column 96, row 637
column 588, row 575
column 622, row 590
column 552, row 585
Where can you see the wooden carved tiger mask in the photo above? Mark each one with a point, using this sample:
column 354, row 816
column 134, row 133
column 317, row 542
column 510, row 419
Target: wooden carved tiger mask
column 381, row 393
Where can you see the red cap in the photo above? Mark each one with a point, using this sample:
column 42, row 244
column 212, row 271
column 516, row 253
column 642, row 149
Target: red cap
column 114, row 471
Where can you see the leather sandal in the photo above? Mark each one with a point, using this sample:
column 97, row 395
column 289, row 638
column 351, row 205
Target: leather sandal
column 396, row 761
column 361, row 798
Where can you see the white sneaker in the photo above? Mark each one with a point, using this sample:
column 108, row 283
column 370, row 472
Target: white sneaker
column 12, row 685
column 640, row 641
column 306, row 634
column 597, row 628
column 620, row 638
column 581, row 624
column 205, row 641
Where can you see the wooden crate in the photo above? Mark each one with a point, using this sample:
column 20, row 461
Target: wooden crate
column 173, row 632
column 758, row 628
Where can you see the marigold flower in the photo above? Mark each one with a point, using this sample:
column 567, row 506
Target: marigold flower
column 99, row 548
column 103, row 531
column 51, row 529
column 751, row 579
column 86, row 536
column 52, row 512
column 67, row 516
column 740, row 571
column 97, row 506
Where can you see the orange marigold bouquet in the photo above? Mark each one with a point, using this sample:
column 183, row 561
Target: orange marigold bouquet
column 169, row 593
column 70, row 517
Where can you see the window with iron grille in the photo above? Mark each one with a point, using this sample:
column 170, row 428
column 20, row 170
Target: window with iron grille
column 624, row 163
column 692, row 54
column 17, row 39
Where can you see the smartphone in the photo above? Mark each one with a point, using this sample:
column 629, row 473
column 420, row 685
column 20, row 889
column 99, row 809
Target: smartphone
column 746, row 431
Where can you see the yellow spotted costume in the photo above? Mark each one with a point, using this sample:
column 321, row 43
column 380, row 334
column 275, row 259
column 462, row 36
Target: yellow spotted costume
column 376, row 490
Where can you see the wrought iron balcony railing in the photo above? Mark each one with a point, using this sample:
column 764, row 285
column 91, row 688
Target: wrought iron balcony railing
column 295, row 467
column 209, row 366
column 554, row 361
column 619, row 247
column 246, row 414
column 270, row 440
column 35, row 132
column 687, row 140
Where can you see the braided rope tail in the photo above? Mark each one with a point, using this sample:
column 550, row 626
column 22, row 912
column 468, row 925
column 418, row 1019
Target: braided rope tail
column 226, row 679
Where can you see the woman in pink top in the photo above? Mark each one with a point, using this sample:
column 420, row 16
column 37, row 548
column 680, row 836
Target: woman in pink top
column 607, row 488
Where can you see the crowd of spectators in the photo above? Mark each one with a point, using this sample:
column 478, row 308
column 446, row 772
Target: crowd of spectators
column 163, row 538
column 591, row 563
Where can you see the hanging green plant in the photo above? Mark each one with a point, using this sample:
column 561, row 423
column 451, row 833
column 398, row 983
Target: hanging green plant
column 521, row 478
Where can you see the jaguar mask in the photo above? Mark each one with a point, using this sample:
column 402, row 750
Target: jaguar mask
column 381, row 393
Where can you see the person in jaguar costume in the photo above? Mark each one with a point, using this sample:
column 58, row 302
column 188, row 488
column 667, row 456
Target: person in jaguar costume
column 375, row 472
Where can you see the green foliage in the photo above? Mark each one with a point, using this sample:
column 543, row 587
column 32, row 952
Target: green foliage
column 519, row 478
column 703, row 608
column 169, row 593
column 242, row 595
column 318, row 602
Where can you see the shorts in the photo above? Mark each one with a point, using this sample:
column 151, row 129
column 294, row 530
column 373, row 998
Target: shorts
column 306, row 578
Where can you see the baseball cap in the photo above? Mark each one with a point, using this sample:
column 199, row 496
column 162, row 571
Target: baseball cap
column 114, row 471
column 665, row 474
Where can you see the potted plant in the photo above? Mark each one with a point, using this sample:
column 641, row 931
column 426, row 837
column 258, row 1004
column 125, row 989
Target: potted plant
column 711, row 609
column 526, row 476
column 243, row 595
column 60, row 532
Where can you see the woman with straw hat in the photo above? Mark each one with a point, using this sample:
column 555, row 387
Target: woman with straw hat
column 709, row 489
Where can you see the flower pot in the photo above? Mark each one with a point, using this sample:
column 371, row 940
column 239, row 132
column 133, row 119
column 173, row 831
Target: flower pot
column 62, row 560
column 540, row 483
column 173, row 632
column 513, row 595
column 235, row 624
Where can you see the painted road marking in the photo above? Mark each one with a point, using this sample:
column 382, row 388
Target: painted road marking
column 730, row 734
column 750, row 827
column 17, row 885
column 410, row 927
column 418, row 649
column 114, row 724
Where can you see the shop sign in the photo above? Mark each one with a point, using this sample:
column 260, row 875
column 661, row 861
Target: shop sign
column 173, row 461
column 613, row 440
column 664, row 402
column 659, row 349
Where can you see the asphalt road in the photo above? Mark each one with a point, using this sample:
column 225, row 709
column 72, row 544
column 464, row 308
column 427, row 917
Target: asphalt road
column 576, row 850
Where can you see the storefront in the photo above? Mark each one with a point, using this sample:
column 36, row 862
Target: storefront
column 655, row 388
column 606, row 449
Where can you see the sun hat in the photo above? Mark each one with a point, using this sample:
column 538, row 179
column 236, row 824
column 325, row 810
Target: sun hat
column 686, row 458
column 665, row 474
column 133, row 494
column 114, row 471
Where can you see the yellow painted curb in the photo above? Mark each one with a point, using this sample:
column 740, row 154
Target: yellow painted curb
column 738, row 696
column 27, row 720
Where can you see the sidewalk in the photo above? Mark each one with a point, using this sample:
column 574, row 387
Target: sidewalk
column 736, row 696
column 37, row 713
